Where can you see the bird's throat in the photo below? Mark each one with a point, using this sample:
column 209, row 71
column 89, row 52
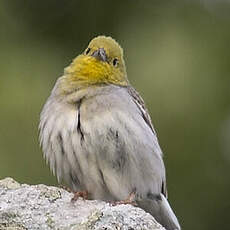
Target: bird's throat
column 85, row 71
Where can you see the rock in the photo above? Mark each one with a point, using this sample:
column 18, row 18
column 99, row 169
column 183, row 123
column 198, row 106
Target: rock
column 33, row 207
column 9, row 183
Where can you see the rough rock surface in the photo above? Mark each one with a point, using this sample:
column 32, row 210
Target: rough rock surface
column 25, row 206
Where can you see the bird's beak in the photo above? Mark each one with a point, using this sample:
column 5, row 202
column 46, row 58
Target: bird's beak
column 100, row 54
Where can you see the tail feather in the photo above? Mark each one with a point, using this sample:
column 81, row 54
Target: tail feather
column 160, row 209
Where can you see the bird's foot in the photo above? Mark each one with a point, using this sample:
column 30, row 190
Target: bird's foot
column 83, row 194
column 65, row 188
column 129, row 200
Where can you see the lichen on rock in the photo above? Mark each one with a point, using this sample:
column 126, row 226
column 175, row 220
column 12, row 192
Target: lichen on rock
column 36, row 207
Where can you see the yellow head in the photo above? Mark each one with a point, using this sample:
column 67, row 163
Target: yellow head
column 101, row 63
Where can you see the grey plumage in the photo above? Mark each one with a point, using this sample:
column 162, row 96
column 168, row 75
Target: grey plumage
column 109, row 154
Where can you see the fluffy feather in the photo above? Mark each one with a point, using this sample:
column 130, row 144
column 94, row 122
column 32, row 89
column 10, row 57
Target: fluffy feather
column 97, row 135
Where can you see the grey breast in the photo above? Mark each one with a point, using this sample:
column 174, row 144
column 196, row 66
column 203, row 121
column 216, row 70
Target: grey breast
column 103, row 144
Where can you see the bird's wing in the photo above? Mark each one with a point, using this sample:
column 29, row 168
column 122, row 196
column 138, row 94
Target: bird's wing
column 141, row 106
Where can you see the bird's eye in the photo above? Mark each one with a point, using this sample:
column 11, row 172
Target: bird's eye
column 87, row 51
column 115, row 61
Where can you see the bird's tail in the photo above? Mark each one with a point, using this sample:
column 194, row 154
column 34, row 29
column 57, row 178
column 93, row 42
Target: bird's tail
column 160, row 209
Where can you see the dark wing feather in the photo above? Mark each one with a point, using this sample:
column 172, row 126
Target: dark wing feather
column 141, row 105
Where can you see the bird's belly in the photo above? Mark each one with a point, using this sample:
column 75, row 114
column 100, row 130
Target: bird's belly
column 109, row 155
column 119, row 157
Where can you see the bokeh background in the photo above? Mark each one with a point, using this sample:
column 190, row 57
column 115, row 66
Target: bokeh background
column 178, row 57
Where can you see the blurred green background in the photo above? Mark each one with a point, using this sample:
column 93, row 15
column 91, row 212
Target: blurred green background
column 178, row 57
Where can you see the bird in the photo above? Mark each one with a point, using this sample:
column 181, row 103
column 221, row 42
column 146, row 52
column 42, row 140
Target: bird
column 97, row 135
